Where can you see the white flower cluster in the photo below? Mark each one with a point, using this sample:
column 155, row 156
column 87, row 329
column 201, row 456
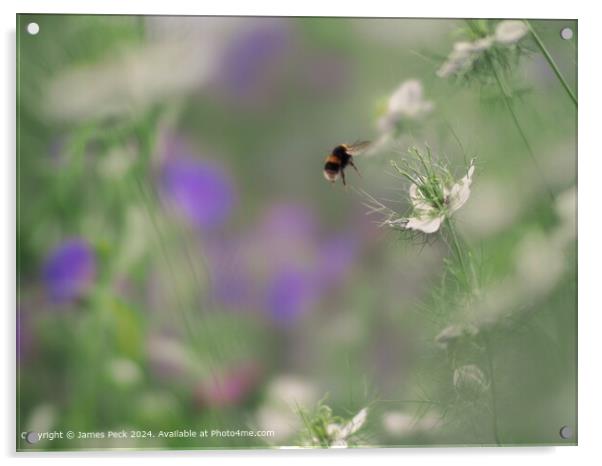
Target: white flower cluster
column 429, row 215
column 464, row 54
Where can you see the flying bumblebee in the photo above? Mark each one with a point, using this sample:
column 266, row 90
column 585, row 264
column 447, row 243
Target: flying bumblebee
column 341, row 156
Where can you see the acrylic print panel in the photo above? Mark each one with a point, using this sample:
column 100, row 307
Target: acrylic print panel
column 210, row 257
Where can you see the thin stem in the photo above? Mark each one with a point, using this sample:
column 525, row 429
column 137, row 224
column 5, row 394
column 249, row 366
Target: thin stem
column 508, row 103
column 551, row 62
column 457, row 249
column 456, row 244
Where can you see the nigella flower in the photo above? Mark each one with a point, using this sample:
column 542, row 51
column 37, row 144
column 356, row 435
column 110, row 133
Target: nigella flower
column 434, row 198
column 326, row 430
column 462, row 57
column 200, row 189
column 406, row 103
column 467, row 55
column 70, row 270
column 339, row 434
column 509, row 32
column 405, row 107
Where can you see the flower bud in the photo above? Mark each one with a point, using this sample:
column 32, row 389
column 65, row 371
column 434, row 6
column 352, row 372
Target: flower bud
column 470, row 382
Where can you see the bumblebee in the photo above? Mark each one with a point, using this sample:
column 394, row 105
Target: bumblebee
column 341, row 156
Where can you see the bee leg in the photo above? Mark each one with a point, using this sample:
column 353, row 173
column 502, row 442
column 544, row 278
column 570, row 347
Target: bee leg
column 355, row 168
column 343, row 178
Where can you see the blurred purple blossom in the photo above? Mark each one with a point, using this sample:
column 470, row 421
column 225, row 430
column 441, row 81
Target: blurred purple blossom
column 70, row 270
column 283, row 267
column 290, row 293
column 201, row 189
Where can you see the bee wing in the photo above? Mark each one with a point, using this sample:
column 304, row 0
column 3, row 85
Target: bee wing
column 358, row 147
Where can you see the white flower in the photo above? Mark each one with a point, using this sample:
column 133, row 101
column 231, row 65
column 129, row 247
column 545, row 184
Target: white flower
column 407, row 102
column 463, row 56
column 428, row 214
column 509, row 32
column 482, row 44
column 339, row 434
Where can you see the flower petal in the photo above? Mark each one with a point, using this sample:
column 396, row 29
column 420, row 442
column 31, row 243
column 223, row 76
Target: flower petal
column 460, row 192
column 355, row 424
column 425, row 224
column 408, row 100
column 418, row 200
column 482, row 44
column 509, row 32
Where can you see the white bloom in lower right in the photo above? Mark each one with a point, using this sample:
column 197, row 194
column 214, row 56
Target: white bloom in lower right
column 432, row 206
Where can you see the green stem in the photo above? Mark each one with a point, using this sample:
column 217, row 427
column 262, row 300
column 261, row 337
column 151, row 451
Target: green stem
column 508, row 103
column 457, row 249
column 551, row 62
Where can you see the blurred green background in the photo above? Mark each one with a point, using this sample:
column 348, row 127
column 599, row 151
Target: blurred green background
column 182, row 263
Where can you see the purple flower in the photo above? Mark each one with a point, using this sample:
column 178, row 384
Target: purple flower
column 290, row 294
column 201, row 190
column 70, row 270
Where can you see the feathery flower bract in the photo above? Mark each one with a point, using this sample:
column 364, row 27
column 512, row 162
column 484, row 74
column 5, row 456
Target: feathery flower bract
column 326, row 430
column 433, row 194
column 467, row 55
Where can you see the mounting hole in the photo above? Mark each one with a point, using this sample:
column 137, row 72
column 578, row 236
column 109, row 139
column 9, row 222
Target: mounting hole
column 566, row 33
column 33, row 28
column 566, row 432
column 32, row 437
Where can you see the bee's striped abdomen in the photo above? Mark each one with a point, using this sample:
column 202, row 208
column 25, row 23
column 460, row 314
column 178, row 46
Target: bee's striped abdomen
column 332, row 167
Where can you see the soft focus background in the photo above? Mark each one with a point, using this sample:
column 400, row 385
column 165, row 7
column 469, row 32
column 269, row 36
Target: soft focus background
column 182, row 263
